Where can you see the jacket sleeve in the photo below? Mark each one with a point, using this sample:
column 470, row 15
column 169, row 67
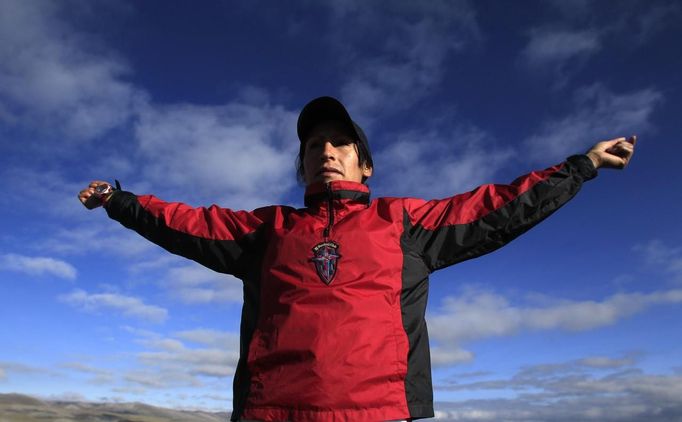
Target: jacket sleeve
column 214, row 237
column 451, row 230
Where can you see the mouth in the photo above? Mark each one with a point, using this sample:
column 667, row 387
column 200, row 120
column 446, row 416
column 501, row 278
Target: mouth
column 328, row 170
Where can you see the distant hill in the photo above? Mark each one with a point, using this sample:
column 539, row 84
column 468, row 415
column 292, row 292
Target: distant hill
column 19, row 399
column 21, row 408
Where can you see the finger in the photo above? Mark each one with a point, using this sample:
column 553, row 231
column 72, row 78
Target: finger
column 613, row 149
column 623, row 145
column 606, row 145
column 626, row 146
column 632, row 140
column 629, row 148
column 616, row 140
column 619, row 151
column 86, row 193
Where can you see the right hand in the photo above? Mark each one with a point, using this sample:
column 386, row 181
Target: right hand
column 615, row 153
column 86, row 193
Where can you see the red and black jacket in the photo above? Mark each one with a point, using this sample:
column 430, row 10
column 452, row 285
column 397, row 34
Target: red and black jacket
column 335, row 293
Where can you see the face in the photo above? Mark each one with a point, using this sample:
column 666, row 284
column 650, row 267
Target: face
column 331, row 154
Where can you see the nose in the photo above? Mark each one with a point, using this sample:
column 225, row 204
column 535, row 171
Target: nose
column 329, row 150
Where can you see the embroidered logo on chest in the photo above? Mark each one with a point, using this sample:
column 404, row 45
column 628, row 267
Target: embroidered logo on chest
column 326, row 257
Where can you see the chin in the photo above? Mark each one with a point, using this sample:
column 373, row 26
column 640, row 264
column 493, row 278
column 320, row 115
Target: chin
column 328, row 178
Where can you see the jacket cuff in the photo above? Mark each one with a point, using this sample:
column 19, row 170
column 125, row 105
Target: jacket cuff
column 117, row 201
column 583, row 165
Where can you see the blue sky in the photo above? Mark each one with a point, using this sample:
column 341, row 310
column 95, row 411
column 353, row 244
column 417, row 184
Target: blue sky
column 576, row 320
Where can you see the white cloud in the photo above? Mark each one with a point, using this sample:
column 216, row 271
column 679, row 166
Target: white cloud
column 99, row 376
column 655, row 18
column 52, row 78
column 570, row 391
column 239, row 154
column 196, row 284
column 556, row 53
column 170, row 363
column 20, row 368
column 550, row 46
column 31, row 187
column 449, row 354
column 439, row 163
column 662, row 257
column 213, row 338
column 561, row 48
column 586, row 365
column 67, row 396
column 404, row 63
column 99, row 236
column 193, row 362
column 127, row 305
column 38, row 266
column 599, row 114
column 476, row 315
column 606, row 362
column 150, row 263
column 88, row 369
column 571, row 9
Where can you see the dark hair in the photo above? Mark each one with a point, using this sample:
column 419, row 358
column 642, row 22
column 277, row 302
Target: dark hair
column 364, row 158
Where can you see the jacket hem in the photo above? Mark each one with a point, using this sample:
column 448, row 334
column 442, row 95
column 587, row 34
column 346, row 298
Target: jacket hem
column 279, row 414
column 421, row 410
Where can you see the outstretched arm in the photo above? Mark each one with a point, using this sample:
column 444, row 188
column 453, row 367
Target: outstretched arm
column 214, row 237
column 465, row 226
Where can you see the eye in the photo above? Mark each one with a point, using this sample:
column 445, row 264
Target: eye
column 343, row 141
column 313, row 143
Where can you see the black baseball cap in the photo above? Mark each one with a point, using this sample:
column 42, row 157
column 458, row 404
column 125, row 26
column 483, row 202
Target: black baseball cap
column 328, row 108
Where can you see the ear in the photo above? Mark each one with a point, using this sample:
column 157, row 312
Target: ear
column 366, row 170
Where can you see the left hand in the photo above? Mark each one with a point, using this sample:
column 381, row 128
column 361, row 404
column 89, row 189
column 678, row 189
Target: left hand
column 615, row 153
column 86, row 195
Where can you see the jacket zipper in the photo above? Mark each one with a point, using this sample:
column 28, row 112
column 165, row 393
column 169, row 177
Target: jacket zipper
column 330, row 212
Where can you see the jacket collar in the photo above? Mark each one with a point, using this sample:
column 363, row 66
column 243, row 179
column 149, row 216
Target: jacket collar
column 338, row 189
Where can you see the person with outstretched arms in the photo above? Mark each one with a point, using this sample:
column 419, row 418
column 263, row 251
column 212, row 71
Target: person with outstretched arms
column 335, row 293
